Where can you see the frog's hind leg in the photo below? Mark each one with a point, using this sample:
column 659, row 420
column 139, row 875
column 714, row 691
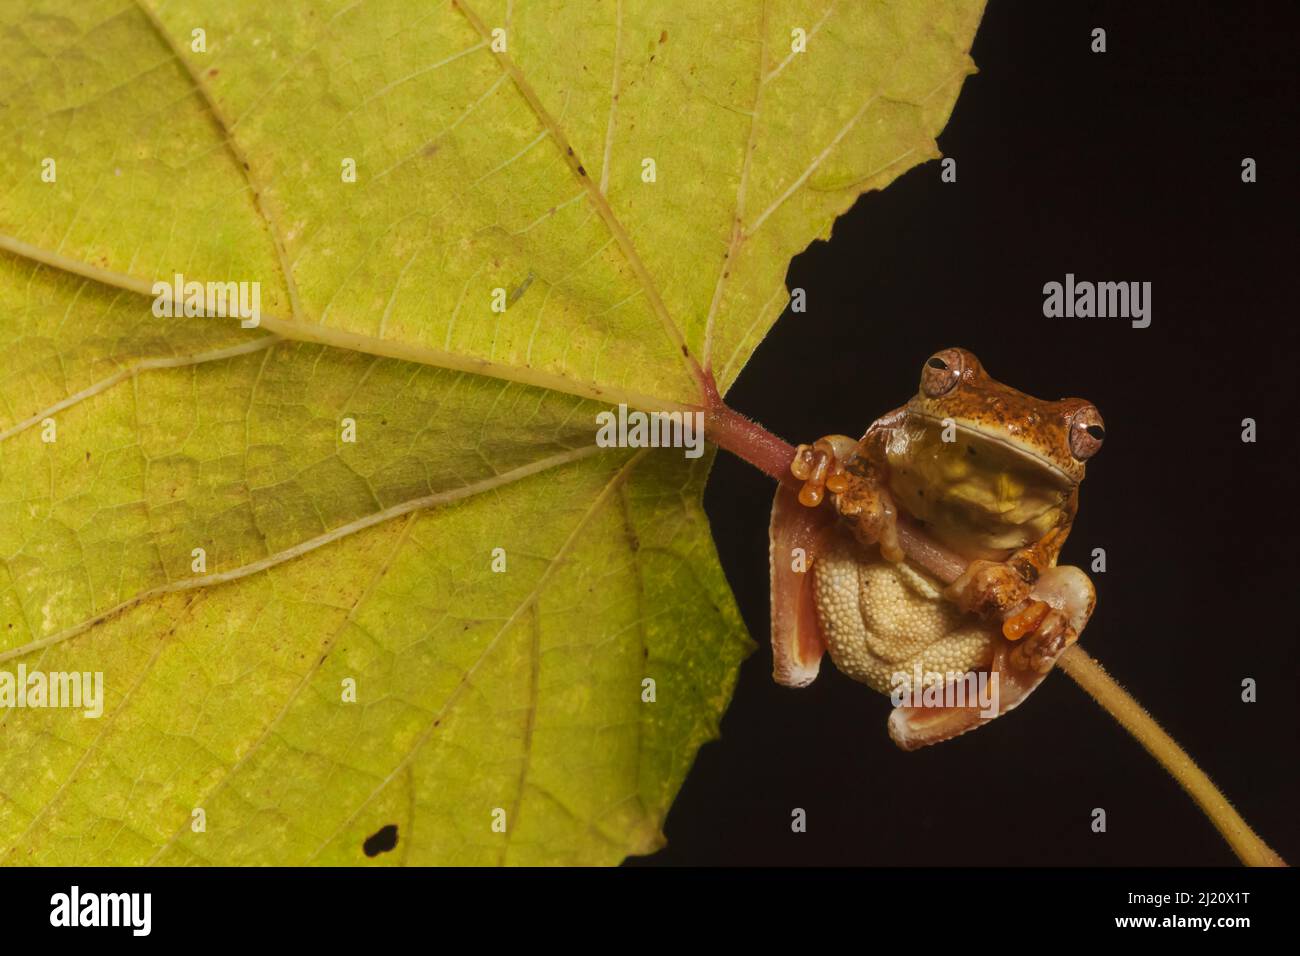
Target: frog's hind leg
column 1070, row 596
column 796, row 535
column 914, row 727
column 1006, row 683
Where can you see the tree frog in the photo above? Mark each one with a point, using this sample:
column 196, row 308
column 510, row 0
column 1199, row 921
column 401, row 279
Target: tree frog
column 991, row 477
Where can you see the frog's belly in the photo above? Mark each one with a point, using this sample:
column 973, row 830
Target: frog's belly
column 880, row 619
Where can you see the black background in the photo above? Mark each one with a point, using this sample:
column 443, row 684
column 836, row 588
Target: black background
column 1122, row 166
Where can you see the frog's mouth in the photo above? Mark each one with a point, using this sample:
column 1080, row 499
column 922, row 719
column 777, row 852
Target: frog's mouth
column 976, row 436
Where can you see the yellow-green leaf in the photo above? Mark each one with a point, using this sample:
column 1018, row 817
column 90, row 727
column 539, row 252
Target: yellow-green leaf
column 364, row 564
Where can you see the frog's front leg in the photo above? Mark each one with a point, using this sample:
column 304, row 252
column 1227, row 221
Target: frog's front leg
column 1060, row 605
column 993, row 589
column 1003, row 591
column 1044, row 642
column 858, row 485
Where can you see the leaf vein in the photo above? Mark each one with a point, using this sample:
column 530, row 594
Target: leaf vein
column 236, row 151
column 556, row 562
column 597, row 197
column 303, row 547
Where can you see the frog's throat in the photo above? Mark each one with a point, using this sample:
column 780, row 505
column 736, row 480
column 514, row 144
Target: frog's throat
column 1019, row 449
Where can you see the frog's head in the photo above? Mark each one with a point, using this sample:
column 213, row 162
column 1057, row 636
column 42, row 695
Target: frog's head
column 991, row 468
column 1058, row 436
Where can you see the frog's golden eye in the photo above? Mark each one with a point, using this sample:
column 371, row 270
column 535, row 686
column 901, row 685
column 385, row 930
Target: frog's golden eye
column 1087, row 432
column 940, row 372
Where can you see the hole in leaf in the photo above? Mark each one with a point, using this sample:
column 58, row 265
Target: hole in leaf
column 381, row 841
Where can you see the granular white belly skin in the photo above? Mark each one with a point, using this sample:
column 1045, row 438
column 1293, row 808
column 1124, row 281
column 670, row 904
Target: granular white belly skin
column 880, row 619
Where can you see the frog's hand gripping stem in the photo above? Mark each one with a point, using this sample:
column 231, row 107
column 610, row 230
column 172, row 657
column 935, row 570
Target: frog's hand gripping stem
column 1068, row 590
column 795, row 537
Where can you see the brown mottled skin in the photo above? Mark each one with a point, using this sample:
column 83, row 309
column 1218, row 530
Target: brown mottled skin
column 989, row 471
column 981, row 402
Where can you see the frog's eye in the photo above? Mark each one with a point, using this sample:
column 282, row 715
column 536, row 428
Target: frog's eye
column 940, row 372
column 1087, row 432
